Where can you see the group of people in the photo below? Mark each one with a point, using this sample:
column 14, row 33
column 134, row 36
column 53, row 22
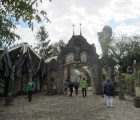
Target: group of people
column 107, row 85
column 70, row 85
column 67, row 85
column 108, row 92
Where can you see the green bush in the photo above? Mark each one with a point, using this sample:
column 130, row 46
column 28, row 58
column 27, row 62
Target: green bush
column 131, row 79
column 128, row 78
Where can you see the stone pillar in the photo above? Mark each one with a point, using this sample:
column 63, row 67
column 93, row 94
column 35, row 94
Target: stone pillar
column 121, row 92
column 137, row 85
column 49, row 87
column 98, row 81
column 92, row 75
column 59, row 77
column 9, row 99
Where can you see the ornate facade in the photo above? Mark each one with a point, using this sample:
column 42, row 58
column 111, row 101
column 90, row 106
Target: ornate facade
column 77, row 54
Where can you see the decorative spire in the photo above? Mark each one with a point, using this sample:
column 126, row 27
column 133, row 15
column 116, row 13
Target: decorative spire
column 80, row 29
column 73, row 29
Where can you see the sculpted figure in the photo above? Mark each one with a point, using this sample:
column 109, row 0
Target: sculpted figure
column 105, row 38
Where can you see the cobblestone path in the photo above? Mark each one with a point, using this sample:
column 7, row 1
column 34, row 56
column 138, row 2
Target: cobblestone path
column 59, row 107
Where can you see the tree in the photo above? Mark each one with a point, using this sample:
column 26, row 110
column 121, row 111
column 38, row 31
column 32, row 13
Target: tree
column 125, row 49
column 117, row 48
column 43, row 47
column 12, row 12
column 57, row 46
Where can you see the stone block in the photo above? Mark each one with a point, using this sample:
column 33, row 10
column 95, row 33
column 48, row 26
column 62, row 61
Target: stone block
column 137, row 102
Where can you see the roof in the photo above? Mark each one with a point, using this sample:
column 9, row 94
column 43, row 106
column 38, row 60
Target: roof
column 19, row 52
column 77, row 40
column 23, row 47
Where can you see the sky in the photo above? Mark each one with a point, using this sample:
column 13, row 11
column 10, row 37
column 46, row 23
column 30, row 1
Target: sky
column 123, row 16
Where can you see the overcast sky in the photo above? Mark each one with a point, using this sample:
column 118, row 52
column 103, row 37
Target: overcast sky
column 123, row 16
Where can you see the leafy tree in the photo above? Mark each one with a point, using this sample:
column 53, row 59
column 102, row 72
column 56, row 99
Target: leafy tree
column 57, row 46
column 43, row 47
column 12, row 12
column 125, row 49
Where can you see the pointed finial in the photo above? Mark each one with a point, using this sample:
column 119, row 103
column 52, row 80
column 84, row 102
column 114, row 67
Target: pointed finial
column 73, row 29
column 80, row 29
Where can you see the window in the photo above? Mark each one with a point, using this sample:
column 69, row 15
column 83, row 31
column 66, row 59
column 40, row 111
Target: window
column 83, row 57
column 69, row 58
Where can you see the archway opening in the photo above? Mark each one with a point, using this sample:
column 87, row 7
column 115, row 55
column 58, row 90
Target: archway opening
column 77, row 74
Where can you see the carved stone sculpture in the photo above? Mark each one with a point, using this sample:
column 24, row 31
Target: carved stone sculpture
column 105, row 39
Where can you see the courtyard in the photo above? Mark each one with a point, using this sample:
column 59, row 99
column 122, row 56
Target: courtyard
column 61, row 107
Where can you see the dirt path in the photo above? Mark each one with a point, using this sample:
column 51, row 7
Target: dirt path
column 59, row 107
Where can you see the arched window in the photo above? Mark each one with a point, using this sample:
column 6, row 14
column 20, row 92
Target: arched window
column 69, row 58
column 83, row 57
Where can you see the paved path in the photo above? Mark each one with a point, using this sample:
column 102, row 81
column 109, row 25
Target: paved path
column 64, row 108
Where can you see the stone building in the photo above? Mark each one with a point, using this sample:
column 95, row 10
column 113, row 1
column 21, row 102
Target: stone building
column 27, row 64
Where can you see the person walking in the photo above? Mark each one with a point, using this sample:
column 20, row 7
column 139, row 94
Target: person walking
column 76, row 86
column 71, row 88
column 109, row 91
column 66, row 85
column 31, row 86
column 84, row 86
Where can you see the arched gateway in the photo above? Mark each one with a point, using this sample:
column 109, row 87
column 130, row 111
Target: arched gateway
column 78, row 53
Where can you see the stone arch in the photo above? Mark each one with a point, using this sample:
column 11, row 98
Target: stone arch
column 87, row 72
column 77, row 54
column 85, row 69
column 106, row 64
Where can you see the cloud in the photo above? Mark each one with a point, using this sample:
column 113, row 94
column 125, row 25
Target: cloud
column 122, row 15
column 26, row 34
column 120, row 10
column 124, row 28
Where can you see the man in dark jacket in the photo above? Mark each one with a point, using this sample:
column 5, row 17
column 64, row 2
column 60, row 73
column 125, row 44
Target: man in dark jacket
column 76, row 86
column 71, row 88
column 109, row 91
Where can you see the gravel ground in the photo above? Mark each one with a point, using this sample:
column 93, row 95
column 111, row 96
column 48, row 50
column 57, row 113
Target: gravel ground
column 61, row 107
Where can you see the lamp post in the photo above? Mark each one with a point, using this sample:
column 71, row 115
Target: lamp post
column 137, row 85
column 121, row 92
